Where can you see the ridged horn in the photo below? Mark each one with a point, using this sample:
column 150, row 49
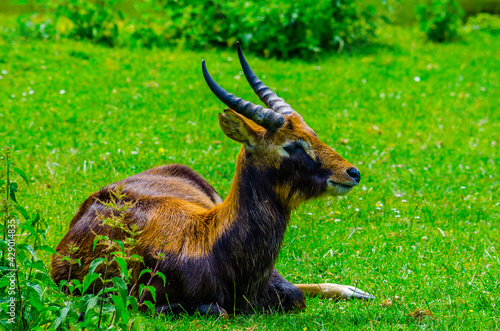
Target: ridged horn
column 266, row 118
column 268, row 97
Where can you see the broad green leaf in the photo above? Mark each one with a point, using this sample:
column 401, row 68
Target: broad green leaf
column 142, row 288
column 36, row 303
column 28, row 248
column 122, row 288
column 22, row 174
column 152, row 289
column 47, row 249
column 37, row 265
column 108, row 289
column 95, row 263
column 27, row 226
column 57, row 322
column 151, row 307
column 123, row 266
column 88, row 280
column 36, row 219
column 119, row 307
column 120, row 243
column 65, row 258
column 4, row 281
column 145, row 271
column 91, row 303
column 23, row 212
column 12, row 191
column 36, row 288
column 77, row 285
column 133, row 302
column 162, row 276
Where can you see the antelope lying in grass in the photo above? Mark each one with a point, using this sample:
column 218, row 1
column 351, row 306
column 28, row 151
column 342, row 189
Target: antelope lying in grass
column 220, row 254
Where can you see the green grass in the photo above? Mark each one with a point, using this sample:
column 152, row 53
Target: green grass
column 422, row 229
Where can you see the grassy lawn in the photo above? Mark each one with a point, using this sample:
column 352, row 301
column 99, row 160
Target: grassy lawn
column 419, row 120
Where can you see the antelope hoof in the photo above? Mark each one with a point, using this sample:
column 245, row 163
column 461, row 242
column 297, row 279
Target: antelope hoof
column 336, row 292
column 351, row 292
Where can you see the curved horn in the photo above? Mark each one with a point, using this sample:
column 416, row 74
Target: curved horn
column 265, row 94
column 266, row 118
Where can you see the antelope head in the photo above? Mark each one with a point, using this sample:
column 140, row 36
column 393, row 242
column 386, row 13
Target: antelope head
column 278, row 143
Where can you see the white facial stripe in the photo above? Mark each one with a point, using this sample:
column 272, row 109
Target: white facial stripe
column 282, row 151
column 304, row 144
column 308, row 148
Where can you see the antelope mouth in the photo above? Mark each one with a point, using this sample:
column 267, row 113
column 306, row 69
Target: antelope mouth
column 340, row 188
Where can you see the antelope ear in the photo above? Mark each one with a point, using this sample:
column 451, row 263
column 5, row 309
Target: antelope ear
column 235, row 127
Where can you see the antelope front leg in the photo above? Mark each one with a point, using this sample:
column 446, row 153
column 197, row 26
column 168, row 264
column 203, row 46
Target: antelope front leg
column 334, row 291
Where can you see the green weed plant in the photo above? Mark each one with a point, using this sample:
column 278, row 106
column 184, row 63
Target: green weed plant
column 32, row 301
column 273, row 28
column 440, row 20
column 485, row 22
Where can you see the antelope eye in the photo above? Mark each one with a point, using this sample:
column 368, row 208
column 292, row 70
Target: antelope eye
column 293, row 148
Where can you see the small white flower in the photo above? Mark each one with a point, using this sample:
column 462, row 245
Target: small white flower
column 4, row 72
column 337, row 220
column 463, row 187
column 416, row 78
column 62, row 92
column 31, row 92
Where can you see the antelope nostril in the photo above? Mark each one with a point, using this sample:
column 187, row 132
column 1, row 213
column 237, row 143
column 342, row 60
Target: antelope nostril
column 354, row 173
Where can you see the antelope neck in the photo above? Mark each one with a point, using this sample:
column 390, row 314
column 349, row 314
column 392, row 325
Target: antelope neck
column 256, row 219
